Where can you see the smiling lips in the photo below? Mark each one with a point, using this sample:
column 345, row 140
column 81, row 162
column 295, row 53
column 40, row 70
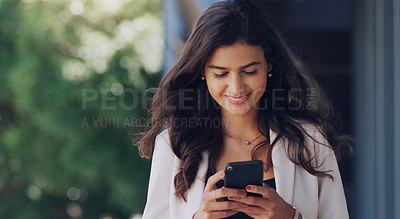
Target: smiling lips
column 238, row 100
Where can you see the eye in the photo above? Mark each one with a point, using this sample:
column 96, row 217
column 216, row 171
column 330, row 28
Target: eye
column 220, row 75
column 250, row 72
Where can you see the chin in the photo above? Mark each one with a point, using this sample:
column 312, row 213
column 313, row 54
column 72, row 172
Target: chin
column 237, row 110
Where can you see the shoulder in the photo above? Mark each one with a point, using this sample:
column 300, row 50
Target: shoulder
column 164, row 135
column 307, row 126
column 162, row 145
column 317, row 144
column 313, row 133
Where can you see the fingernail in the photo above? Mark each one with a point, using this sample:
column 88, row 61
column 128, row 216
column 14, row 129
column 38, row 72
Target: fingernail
column 221, row 173
column 243, row 193
column 248, row 187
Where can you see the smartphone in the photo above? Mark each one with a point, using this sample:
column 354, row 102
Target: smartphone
column 240, row 174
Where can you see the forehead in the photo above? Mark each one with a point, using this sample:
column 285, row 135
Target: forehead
column 236, row 55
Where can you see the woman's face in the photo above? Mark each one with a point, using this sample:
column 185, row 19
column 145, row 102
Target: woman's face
column 236, row 77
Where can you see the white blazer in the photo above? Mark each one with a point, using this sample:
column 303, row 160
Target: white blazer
column 314, row 197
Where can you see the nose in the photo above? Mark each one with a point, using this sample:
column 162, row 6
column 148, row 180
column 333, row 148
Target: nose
column 236, row 84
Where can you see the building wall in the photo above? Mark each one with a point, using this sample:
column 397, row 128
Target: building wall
column 377, row 108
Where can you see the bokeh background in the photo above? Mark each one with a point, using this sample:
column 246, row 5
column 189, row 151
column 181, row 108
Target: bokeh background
column 76, row 79
column 71, row 77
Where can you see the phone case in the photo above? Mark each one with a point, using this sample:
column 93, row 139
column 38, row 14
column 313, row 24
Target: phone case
column 240, row 174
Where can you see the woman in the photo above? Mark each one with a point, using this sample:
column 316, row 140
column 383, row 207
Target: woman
column 235, row 94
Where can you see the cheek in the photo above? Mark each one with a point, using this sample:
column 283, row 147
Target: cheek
column 216, row 88
column 259, row 84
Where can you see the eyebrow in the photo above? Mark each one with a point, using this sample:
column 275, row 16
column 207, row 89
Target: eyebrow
column 243, row 67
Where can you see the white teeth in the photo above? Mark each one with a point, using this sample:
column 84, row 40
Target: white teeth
column 237, row 99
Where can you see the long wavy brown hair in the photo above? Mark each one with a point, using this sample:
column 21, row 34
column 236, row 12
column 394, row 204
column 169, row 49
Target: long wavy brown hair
column 183, row 97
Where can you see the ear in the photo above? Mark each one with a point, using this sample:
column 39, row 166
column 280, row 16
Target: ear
column 270, row 66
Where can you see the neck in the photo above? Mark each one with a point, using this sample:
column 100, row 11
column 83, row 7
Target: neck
column 243, row 127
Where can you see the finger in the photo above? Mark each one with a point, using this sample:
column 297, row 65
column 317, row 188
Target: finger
column 229, row 192
column 265, row 191
column 223, row 193
column 222, row 214
column 212, row 180
column 255, row 201
column 252, row 211
column 222, row 206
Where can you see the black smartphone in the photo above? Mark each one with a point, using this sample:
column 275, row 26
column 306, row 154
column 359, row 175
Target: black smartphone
column 240, row 174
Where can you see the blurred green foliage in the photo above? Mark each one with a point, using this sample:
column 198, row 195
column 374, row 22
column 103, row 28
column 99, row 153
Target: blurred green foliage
column 72, row 75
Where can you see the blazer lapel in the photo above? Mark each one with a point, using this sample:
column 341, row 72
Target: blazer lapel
column 196, row 192
column 181, row 209
column 284, row 170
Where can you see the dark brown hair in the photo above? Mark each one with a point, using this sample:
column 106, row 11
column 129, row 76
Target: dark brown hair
column 182, row 96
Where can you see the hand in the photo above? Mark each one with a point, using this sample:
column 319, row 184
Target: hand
column 270, row 206
column 210, row 207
